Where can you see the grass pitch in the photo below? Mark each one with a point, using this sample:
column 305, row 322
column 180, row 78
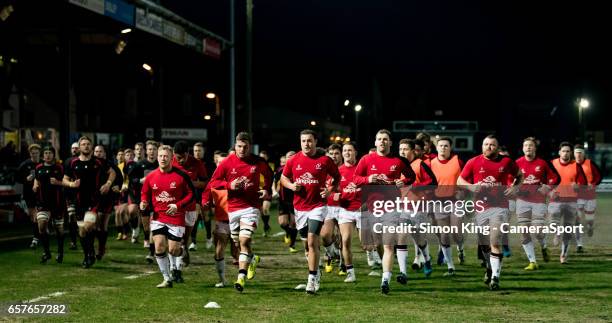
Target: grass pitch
column 578, row 291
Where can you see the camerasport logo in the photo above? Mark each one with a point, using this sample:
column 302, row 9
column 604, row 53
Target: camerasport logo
column 306, row 179
column 164, row 197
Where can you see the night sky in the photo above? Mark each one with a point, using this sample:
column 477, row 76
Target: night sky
column 467, row 59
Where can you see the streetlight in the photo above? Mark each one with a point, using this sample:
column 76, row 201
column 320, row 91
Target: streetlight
column 148, row 68
column 347, row 102
column 357, row 109
column 126, row 31
column 582, row 104
column 313, row 123
column 213, row 96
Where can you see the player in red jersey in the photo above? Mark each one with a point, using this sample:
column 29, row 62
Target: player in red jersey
column 587, row 202
column 329, row 233
column 170, row 192
column 486, row 175
column 240, row 173
column 538, row 179
column 306, row 174
column 197, row 173
column 384, row 168
column 349, row 199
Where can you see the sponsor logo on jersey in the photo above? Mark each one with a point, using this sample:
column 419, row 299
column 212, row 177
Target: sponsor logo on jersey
column 393, row 168
column 306, row 179
column 233, row 172
column 299, row 167
column 318, row 166
column 164, row 197
column 489, row 181
column 538, row 168
column 482, row 170
column 351, row 188
column 154, row 186
column 373, row 167
column 531, row 179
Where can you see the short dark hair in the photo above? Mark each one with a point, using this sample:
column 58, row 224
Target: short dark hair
column 532, row 139
column 351, row 143
column 152, row 143
column 404, row 141
column 417, row 142
column 309, row 132
column 181, row 147
column 222, row 154
column 198, row 144
column 423, row 136
column 450, row 141
column 243, row 136
column 491, row 136
column 334, row 147
column 84, row 138
column 565, row 144
column 385, row 131
column 217, row 152
column 578, row 146
column 49, row 148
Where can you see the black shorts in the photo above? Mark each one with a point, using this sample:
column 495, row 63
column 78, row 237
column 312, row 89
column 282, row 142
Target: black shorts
column 285, row 208
column 164, row 231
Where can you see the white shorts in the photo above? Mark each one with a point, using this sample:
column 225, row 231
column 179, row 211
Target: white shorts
column 190, row 218
column 346, row 216
column 512, row 206
column 175, row 230
column 493, row 217
column 248, row 216
column 587, row 205
column 333, row 212
column 302, row 217
column 222, row 228
column 536, row 209
column 557, row 207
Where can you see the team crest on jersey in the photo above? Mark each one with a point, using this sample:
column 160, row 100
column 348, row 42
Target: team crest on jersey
column 154, row 186
column 373, row 167
column 253, row 170
column 343, row 179
column 299, row 167
column 537, row 169
column 393, row 168
column 318, row 166
column 501, row 169
column 173, row 185
column 233, row 172
column 481, row 170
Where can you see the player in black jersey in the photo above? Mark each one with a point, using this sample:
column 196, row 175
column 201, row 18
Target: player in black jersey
column 50, row 204
column 85, row 174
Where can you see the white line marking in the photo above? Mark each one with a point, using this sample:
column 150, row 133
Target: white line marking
column 278, row 234
column 139, row 275
column 38, row 299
